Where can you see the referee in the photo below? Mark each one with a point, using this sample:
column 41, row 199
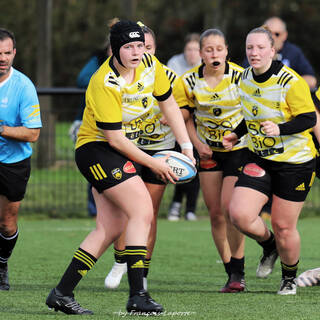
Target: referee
column 19, row 125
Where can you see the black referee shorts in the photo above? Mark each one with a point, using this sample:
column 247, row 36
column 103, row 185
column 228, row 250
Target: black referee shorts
column 14, row 178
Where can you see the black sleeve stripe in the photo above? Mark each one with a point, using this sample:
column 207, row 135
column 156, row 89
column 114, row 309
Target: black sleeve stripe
column 164, row 96
column 191, row 81
column 284, row 79
column 109, row 125
column 147, row 60
column 284, row 84
column 244, row 74
column 113, row 82
column 235, row 76
column 171, row 76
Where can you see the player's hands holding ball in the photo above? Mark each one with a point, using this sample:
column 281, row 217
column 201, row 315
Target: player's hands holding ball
column 162, row 169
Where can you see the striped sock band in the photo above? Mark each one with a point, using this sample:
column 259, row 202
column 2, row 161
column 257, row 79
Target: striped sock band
column 81, row 263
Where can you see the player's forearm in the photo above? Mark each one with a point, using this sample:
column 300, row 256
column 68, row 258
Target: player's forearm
column 21, row 133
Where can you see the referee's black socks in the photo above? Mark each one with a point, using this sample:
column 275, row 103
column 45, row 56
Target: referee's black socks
column 81, row 263
column 135, row 256
column 7, row 244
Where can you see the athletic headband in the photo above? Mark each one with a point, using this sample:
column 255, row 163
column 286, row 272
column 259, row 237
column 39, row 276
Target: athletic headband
column 124, row 32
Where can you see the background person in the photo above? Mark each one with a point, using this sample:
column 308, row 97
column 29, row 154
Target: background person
column 211, row 93
column 288, row 53
column 106, row 155
column 155, row 136
column 181, row 63
column 279, row 113
column 20, row 124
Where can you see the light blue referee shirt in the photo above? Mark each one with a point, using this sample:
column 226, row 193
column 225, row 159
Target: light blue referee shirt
column 19, row 106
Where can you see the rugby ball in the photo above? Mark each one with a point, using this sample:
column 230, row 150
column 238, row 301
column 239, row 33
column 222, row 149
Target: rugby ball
column 180, row 164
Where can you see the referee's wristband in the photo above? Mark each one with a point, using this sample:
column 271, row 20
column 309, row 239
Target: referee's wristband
column 186, row 145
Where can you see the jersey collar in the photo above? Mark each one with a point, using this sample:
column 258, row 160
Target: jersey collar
column 274, row 69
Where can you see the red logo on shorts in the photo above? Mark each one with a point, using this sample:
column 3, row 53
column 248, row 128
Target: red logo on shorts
column 129, row 167
column 253, row 170
column 208, row 164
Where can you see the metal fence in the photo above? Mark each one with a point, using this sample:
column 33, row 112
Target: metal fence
column 56, row 187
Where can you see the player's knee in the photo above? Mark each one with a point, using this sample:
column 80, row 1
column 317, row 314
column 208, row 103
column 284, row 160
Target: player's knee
column 281, row 230
column 8, row 228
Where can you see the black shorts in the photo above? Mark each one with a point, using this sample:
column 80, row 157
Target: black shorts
column 230, row 163
column 286, row 180
column 103, row 166
column 147, row 175
column 14, row 178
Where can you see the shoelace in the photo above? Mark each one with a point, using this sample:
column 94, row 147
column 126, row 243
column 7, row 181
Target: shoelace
column 74, row 305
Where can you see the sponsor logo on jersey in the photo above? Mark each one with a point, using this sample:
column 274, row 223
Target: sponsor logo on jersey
column 140, row 86
column 217, row 111
column 215, row 97
column 253, row 170
column 301, row 187
column 145, row 102
column 138, row 264
column 129, row 167
column 257, row 93
column 134, row 34
column 117, row 173
column 255, row 110
column 208, row 164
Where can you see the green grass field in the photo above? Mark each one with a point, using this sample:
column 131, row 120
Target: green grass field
column 185, row 275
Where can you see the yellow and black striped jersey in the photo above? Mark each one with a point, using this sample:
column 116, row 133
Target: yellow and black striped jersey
column 217, row 110
column 278, row 95
column 113, row 104
column 155, row 135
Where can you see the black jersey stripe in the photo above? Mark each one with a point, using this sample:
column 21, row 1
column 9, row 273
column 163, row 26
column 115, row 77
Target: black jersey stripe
column 147, row 60
column 284, row 84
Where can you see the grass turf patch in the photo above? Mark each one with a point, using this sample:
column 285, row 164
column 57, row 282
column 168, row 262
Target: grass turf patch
column 185, row 275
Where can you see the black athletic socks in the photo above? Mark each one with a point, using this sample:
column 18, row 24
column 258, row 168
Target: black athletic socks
column 135, row 256
column 119, row 255
column 146, row 267
column 268, row 245
column 227, row 268
column 6, row 247
column 237, row 266
column 289, row 271
column 81, row 263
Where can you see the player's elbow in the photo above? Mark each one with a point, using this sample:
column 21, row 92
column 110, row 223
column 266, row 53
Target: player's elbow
column 34, row 135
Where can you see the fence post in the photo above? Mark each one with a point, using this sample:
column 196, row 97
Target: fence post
column 46, row 143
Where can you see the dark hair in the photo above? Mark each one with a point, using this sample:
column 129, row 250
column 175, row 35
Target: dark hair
column 264, row 30
column 191, row 37
column 5, row 34
column 212, row 32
